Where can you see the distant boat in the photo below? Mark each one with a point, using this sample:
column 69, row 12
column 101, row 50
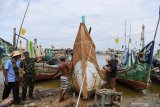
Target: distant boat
column 48, row 69
column 86, row 74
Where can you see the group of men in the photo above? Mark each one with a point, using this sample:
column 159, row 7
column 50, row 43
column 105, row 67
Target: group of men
column 11, row 73
column 13, row 65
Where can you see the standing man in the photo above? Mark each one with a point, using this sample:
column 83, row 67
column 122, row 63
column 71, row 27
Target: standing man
column 65, row 68
column 11, row 74
column 112, row 68
column 29, row 77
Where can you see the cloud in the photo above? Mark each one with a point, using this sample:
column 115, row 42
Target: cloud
column 56, row 21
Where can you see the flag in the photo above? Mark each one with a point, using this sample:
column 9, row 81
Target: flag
column 20, row 47
column 22, row 31
column 146, row 54
column 116, row 40
column 126, row 57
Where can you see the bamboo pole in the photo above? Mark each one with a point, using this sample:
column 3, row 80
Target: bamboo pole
column 14, row 37
column 157, row 26
column 22, row 23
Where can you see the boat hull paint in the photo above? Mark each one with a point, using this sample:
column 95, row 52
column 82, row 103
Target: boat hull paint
column 40, row 77
column 93, row 79
column 137, row 85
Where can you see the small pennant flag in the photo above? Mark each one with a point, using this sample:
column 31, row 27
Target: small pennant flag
column 20, row 47
column 116, row 40
column 23, row 31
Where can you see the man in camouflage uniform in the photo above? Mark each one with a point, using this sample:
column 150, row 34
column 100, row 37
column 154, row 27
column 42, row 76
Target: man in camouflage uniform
column 29, row 77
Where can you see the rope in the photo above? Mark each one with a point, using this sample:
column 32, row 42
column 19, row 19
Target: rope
column 97, row 40
column 82, row 81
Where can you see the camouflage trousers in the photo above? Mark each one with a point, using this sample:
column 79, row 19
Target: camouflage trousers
column 28, row 81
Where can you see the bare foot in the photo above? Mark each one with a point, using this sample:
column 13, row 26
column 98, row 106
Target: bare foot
column 61, row 99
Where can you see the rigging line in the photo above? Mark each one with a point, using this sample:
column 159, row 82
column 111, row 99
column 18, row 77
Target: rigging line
column 44, row 39
column 133, row 35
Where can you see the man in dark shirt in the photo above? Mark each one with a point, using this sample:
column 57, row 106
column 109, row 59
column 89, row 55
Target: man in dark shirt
column 29, row 77
column 112, row 68
column 113, row 74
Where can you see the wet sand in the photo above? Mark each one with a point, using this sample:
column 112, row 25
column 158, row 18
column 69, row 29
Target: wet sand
column 149, row 100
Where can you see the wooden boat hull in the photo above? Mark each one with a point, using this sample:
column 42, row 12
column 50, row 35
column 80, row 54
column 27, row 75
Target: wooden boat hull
column 155, row 77
column 42, row 77
column 45, row 72
column 91, row 82
column 137, row 85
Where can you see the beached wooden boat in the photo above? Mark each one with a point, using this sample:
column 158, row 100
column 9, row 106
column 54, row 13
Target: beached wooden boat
column 137, row 85
column 45, row 72
column 138, row 75
column 86, row 72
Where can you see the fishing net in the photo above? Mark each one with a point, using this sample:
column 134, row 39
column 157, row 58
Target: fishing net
column 137, row 72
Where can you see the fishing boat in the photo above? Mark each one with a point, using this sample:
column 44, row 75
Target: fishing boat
column 138, row 74
column 47, row 69
column 85, row 78
column 44, row 72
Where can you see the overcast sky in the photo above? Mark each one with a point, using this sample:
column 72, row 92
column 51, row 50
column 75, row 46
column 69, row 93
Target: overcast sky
column 56, row 22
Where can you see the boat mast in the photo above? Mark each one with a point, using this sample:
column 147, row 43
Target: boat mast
column 142, row 36
column 157, row 25
column 129, row 37
column 125, row 35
